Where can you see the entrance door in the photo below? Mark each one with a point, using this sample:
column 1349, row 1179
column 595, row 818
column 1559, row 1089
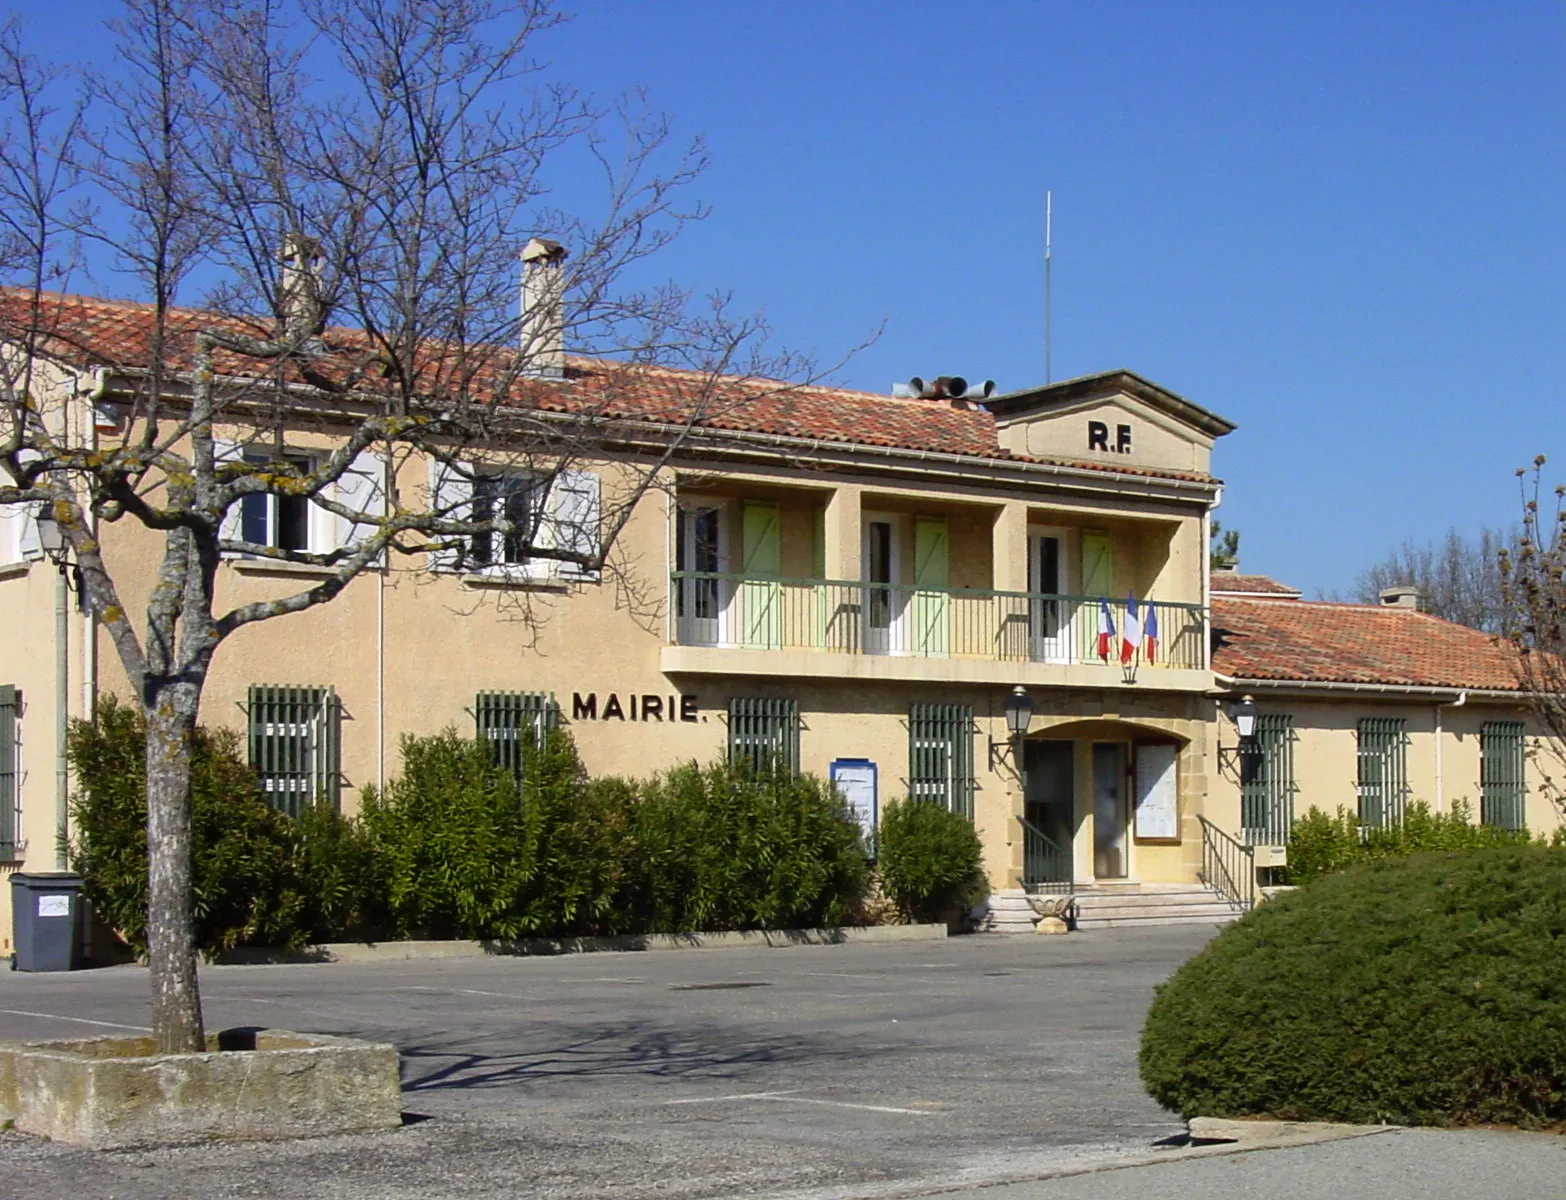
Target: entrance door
column 883, row 608
column 1110, row 815
column 699, row 599
column 1049, row 807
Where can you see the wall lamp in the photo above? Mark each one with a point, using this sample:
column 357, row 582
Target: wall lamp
column 1019, row 715
column 51, row 540
column 1243, row 713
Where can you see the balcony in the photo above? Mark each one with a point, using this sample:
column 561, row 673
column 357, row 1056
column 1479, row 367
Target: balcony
column 733, row 624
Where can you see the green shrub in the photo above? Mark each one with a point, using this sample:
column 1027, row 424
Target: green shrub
column 1319, row 844
column 242, row 862
column 930, row 859
column 1423, row 990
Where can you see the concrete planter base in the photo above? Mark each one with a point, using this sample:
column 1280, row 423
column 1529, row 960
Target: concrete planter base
column 107, row 1093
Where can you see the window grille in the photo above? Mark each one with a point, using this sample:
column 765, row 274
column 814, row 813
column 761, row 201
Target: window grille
column 764, row 731
column 1502, row 782
column 1267, row 781
column 10, row 774
column 1383, row 771
column 509, row 721
column 294, row 744
column 940, row 756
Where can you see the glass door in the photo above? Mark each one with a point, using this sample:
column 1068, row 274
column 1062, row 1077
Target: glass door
column 883, row 604
column 1048, row 620
column 1110, row 816
column 699, row 598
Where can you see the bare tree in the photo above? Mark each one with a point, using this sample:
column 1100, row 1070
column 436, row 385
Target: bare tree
column 1459, row 578
column 1533, row 599
column 353, row 181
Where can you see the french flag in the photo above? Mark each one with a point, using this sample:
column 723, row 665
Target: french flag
column 1106, row 630
column 1131, row 636
column 1150, row 633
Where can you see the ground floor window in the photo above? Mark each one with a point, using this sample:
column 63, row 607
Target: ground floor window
column 764, row 731
column 940, row 756
column 510, row 721
column 10, row 773
column 1502, row 783
column 1267, row 781
column 1383, row 771
column 294, row 744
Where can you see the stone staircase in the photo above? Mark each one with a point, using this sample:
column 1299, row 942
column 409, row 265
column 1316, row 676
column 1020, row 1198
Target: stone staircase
column 1119, row 907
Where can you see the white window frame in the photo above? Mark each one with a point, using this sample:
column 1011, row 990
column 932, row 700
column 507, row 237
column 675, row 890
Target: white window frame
column 705, row 631
column 556, row 525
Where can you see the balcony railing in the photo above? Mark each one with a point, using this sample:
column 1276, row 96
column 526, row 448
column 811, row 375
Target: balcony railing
column 873, row 618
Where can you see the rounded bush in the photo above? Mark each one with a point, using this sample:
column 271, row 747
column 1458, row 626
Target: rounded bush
column 931, row 861
column 1428, row 990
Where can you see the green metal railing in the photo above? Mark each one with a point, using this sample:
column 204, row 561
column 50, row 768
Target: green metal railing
column 1046, row 864
column 1228, row 866
column 849, row 617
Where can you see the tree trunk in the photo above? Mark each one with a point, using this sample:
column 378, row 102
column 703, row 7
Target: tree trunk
column 171, row 945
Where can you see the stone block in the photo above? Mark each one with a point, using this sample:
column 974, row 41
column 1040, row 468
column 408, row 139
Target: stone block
column 250, row 1084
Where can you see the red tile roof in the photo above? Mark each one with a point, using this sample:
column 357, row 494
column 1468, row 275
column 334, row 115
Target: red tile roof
column 1315, row 642
column 1231, row 583
column 86, row 332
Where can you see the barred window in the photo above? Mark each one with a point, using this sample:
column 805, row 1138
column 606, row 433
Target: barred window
column 940, row 756
column 10, row 774
column 1267, row 781
column 510, row 721
column 1502, row 782
column 764, row 731
column 1383, row 771
column 294, row 744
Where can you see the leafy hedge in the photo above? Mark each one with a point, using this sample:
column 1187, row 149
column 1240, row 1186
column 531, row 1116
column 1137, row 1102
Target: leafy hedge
column 1320, row 844
column 458, row 847
column 931, row 861
column 1426, row 990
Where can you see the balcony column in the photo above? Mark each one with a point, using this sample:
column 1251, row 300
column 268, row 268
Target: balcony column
column 842, row 534
column 1009, row 537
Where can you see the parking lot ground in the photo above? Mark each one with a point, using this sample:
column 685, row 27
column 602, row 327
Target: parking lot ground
column 829, row 1071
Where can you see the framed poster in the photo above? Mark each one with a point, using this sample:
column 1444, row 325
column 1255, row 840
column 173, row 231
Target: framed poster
column 856, row 779
column 1157, row 793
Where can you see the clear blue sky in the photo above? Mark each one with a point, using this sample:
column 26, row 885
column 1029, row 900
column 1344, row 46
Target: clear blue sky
column 1339, row 225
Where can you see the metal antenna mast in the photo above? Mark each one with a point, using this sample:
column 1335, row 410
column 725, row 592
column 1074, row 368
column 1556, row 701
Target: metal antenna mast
column 1049, row 291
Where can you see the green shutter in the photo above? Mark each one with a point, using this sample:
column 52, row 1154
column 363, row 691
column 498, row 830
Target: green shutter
column 764, row 731
column 10, row 702
column 508, row 721
column 761, row 600
column 1383, row 771
column 1502, row 779
column 940, row 756
column 1267, row 781
column 932, row 604
column 1098, row 564
column 295, row 750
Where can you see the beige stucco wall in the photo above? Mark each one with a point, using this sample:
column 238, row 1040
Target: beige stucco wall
column 1157, row 440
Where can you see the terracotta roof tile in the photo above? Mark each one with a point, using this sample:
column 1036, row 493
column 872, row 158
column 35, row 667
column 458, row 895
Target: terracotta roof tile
column 1316, row 642
column 1232, row 583
column 87, row 332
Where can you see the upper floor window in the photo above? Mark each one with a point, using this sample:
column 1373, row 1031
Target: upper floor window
column 1502, row 783
column 530, row 514
column 1383, row 770
column 281, row 522
column 514, row 499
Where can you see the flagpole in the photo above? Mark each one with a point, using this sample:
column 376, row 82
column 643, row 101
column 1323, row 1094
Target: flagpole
column 1049, row 291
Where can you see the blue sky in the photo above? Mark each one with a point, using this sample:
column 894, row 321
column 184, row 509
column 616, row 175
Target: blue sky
column 1337, row 224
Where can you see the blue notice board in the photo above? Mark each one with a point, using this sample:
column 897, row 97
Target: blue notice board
column 856, row 779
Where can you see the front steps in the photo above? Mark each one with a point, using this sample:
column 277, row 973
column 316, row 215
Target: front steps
column 1116, row 906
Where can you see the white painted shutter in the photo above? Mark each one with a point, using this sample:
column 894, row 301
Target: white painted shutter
column 360, row 488
column 451, row 495
column 231, row 528
column 23, row 529
column 578, row 511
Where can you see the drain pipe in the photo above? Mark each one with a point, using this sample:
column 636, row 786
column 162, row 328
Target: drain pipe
column 1440, row 782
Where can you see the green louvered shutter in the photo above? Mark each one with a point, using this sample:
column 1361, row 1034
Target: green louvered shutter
column 1502, row 783
column 940, row 756
column 508, row 721
column 932, row 604
column 761, row 599
column 764, row 731
column 1383, row 771
column 10, row 786
column 1098, row 564
column 295, row 735
column 1267, row 781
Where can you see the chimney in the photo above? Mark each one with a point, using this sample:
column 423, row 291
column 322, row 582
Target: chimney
column 1403, row 596
column 543, row 317
column 300, row 302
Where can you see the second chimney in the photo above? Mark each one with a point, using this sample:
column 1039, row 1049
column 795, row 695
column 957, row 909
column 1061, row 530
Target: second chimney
column 543, row 303
column 1403, row 596
column 300, row 302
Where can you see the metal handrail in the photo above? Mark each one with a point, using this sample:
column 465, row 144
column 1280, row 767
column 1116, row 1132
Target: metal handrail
column 1046, row 864
column 1228, row 866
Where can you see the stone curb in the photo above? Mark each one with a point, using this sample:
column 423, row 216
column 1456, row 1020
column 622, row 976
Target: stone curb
column 405, row 951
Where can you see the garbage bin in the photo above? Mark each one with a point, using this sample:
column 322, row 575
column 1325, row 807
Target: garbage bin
column 44, row 918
